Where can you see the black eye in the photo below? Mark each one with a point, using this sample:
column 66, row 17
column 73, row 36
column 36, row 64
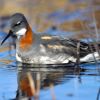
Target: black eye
column 17, row 24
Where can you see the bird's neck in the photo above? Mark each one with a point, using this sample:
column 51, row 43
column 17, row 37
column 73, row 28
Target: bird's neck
column 27, row 40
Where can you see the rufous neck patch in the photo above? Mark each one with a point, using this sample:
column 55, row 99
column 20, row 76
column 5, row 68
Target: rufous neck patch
column 27, row 40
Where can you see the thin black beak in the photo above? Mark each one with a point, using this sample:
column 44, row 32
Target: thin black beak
column 9, row 34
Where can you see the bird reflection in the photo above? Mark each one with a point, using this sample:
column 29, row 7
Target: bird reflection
column 33, row 78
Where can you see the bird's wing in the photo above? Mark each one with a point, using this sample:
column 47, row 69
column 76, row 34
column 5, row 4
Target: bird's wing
column 62, row 45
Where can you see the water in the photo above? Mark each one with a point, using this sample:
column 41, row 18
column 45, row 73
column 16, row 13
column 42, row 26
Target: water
column 62, row 83
column 53, row 82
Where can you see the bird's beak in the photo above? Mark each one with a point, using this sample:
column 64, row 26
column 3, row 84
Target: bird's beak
column 8, row 35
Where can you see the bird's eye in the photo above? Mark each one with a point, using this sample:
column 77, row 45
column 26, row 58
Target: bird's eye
column 18, row 23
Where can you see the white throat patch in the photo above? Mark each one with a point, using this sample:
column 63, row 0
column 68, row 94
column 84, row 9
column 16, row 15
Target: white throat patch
column 21, row 31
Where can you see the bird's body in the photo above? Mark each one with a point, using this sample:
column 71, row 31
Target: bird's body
column 45, row 49
column 49, row 50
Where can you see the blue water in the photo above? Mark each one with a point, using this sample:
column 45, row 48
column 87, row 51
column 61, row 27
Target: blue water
column 67, row 84
column 8, row 83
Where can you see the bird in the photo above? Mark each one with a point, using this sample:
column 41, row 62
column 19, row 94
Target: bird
column 35, row 48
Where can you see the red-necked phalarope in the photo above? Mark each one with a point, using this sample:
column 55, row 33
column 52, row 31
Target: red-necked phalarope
column 44, row 49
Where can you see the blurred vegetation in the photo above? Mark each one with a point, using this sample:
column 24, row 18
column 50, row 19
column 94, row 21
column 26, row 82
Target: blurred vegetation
column 43, row 14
